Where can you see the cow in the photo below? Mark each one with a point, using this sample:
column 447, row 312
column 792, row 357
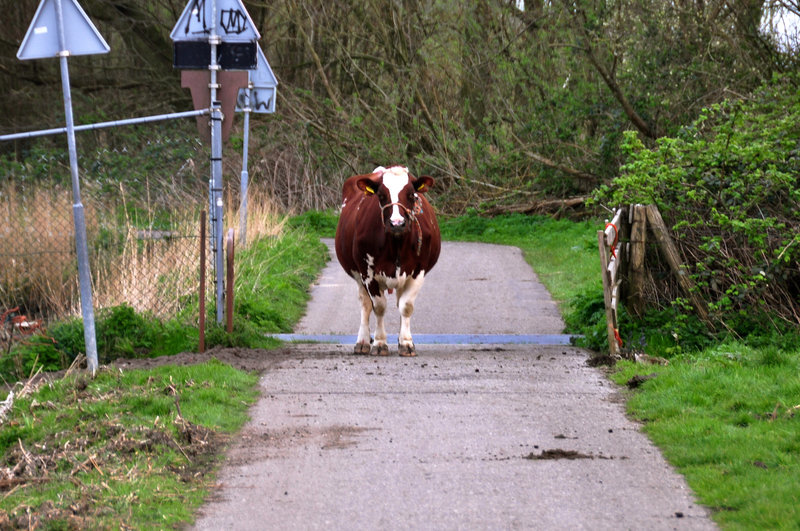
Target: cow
column 387, row 238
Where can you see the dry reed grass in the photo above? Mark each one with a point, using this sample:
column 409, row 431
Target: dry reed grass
column 263, row 218
column 37, row 251
column 151, row 270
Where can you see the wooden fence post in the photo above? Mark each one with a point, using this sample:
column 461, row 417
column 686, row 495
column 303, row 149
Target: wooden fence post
column 670, row 251
column 638, row 247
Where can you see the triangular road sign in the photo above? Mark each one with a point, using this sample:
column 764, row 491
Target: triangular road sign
column 233, row 22
column 81, row 37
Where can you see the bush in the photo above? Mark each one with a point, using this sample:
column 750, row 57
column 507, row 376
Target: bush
column 728, row 187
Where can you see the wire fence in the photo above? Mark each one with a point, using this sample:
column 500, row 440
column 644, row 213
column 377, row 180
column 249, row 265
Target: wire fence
column 141, row 254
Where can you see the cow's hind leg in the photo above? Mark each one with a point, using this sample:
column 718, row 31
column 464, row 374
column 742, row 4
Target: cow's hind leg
column 379, row 346
column 405, row 303
column 363, row 341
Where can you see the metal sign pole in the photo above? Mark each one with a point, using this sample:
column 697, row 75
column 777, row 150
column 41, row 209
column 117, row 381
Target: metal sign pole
column 84, row 274
column 216, row 165
column 245, row 176
column 231, row 40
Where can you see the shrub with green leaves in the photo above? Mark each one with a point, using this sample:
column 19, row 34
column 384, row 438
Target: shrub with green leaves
column 727, row 186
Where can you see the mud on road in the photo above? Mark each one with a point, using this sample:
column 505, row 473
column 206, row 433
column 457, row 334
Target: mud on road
column 464, row 436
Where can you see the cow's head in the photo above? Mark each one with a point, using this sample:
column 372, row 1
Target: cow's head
column 398, row 195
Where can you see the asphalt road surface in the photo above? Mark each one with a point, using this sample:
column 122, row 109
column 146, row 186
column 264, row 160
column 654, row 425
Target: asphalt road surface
column 516, row 433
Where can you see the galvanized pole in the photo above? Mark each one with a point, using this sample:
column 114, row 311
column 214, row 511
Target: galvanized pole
column 84, row 274
column 103, row 125
column 245, row 176
column 216, row 166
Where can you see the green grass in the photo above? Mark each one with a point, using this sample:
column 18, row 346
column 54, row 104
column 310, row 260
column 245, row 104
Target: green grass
column 726, row 419
column 113, row 451
column 273, row 279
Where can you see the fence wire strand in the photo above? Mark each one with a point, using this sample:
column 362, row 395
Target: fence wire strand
column 147, row 261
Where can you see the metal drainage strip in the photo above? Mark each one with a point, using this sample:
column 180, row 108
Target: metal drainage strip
column 442, row 339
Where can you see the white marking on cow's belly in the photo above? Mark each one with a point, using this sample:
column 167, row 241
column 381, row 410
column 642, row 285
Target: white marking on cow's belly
column 392, row 282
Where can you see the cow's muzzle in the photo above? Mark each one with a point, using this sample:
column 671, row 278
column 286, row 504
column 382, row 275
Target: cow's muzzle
column 401, row 226
column 398, row 226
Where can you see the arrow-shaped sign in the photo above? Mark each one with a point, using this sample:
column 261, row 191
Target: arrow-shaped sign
column 262, row 91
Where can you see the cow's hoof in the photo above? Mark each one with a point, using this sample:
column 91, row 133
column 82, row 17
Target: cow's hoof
column 380, row 350
column 361, row 348
column 408, row 351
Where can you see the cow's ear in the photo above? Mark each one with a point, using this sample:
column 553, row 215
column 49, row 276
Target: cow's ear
column 368, row 184
column 423, row 183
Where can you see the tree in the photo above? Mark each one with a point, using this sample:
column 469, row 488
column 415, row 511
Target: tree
column 498, row 103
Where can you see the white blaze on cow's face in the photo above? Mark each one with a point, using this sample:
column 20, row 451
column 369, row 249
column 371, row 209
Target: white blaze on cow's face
column 395, row 179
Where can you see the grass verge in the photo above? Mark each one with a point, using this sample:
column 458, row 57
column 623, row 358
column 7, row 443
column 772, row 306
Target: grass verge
column 271, row 288
column 133, row 449
column 728, row 419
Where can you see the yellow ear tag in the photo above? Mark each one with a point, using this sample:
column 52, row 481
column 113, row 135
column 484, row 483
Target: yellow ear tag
column 421, row 187
column 369, row 190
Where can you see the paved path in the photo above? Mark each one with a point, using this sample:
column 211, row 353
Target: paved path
column 483, row 436
column 474, row 289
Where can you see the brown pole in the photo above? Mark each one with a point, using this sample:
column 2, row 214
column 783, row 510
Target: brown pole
column 670, row 250
column 202, row 324
column 638, row 249
column 229, row 282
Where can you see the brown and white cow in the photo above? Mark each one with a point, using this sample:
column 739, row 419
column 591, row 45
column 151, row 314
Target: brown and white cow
column 387, row 239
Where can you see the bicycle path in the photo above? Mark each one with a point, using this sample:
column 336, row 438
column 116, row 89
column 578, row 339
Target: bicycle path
column 496, row 435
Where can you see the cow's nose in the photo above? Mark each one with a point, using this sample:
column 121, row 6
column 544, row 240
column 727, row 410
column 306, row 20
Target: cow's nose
column 396, row 219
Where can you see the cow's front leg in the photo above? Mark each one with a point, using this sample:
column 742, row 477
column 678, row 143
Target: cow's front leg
column 363, row 341
column 379, row 346
column 405, row 303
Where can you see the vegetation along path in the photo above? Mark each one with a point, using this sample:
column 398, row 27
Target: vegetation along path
column 516, row 433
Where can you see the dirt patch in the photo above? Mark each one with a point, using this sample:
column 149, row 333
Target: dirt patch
column 254, row 443
column 639, row 379
column 246, row 359
column 558, row 453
